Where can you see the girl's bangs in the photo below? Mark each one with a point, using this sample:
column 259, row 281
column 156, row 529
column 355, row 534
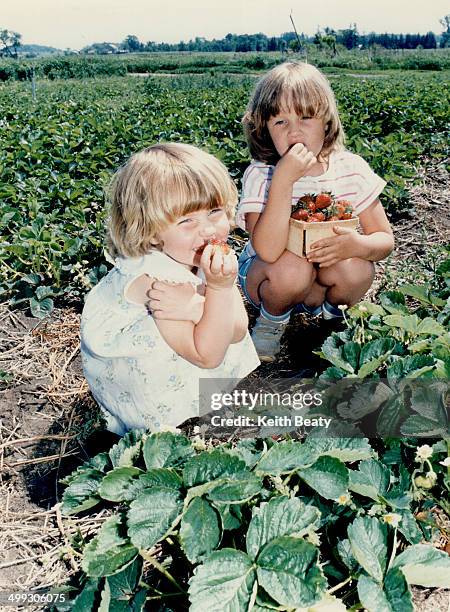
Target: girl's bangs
column 303, row 95
column 194, row 196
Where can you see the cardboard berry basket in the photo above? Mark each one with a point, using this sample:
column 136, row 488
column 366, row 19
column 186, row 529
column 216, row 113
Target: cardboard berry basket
column 303, row 234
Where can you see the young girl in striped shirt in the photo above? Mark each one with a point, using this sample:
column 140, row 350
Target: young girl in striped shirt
column 296, row 140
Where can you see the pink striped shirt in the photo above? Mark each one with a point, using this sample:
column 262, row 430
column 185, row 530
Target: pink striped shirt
column 348, row 177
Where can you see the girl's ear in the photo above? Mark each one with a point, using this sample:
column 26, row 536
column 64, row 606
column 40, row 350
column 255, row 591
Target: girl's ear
column 327, row 127
column 157, row 243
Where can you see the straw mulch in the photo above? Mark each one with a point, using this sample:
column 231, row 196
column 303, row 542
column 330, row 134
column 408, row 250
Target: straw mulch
column 47, row 414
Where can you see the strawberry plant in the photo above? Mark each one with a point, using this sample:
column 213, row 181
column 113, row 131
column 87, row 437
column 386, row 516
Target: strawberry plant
column 260, row 525
column 387, row 344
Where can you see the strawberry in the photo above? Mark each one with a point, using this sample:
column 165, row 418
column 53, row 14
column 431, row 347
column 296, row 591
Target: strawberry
column 300, row 214
column 306, row 199
column 323, row 200
column 220, row 244
column 344, row 203
column 311, row 206
column 316, row 217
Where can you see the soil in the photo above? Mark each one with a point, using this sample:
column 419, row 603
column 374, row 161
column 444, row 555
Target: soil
column 49, row 423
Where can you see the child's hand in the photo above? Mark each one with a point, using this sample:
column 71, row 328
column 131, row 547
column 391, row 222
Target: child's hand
column 295, row 162
column 329, row 251
column 175, row 302
column 220, row 269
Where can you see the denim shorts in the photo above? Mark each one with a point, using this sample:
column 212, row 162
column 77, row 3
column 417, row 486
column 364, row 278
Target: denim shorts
column 245, row 260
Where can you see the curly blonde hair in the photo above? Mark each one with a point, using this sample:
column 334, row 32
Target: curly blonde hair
column 157, row 186
column 295, row 85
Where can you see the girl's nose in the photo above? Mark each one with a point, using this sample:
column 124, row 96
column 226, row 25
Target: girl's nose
column 295, row 128
column 208, row 229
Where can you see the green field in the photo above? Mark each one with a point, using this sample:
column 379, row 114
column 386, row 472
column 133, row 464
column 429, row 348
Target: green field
column 87, row 66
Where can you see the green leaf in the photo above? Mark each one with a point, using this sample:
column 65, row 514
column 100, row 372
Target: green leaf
column 247, row 450
column 108, row 551
column 208, row 466
column 375, row 349
column 332, row 350
column 285, row 457
column 393, row 596
column 368, row 539
column 393, row 301
column 421, row 427
column 41, row 308
column 151, row 515
column 424, row 565
column 374, row 354
column 235, row 489
column 431, row 327
column 165, row 449
column 156, row 477
column 231, row 515
column 82, row 492
column 418, row 292
column 408, row 323
column 344, row 449
column 126, row 451
column 411, row 366
column 117, row 485
column 287, row 569
column 85, row 601
column 328, row 476
column 199, row 530
column 123, row 594
column 371, row 480
column 409, row 528
column 428, row 400
column 351, row 351
column 345, row 552
column 370, row 309
column 279, row 517
column 223, row 583
column 366, row 398
column 391, row 415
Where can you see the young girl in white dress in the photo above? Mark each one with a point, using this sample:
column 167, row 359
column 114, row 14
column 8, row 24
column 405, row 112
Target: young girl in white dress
column 168, row 203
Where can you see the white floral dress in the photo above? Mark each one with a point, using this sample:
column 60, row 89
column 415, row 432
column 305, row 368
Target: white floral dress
column 134, row 375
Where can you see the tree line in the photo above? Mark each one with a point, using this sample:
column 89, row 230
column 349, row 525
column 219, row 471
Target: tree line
column 328, row 39
column 348, row 38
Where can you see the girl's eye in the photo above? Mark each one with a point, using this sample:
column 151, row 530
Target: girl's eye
column 215, row 211
column 279, row 122
column 184, row 221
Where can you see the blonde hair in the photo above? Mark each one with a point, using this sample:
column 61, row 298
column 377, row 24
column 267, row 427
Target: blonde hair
column 157, row 186
column 298, row 86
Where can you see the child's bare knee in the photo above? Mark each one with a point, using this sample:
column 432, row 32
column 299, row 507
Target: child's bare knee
column 360, row 270
column 291, row 273
column 349, row 272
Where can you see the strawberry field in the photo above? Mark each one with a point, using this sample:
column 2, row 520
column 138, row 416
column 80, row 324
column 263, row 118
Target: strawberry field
column 171, row 521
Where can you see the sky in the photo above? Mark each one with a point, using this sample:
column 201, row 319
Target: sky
column 77, row 23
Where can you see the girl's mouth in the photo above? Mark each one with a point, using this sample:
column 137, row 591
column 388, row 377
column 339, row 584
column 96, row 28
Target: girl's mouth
column 216, row 243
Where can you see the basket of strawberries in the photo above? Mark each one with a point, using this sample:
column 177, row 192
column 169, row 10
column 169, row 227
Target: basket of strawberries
column 313, row 217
